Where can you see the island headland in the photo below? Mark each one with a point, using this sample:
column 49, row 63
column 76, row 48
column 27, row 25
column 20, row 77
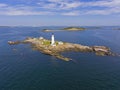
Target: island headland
column 56, row 48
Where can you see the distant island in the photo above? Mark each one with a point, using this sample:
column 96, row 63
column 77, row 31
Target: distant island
column 47, row 30
column 94, row 27
column 64, row 29
column 117, row 29
column 74, row 28
column 55, row 48
column 5, row 26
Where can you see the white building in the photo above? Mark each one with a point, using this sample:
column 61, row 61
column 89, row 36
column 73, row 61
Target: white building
column 52, row 40
column 41, row 38
column 60, row 43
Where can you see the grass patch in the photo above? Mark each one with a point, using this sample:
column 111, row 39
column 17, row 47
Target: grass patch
column 46, row 42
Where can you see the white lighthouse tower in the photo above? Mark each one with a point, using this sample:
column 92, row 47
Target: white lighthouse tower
column 52, row 40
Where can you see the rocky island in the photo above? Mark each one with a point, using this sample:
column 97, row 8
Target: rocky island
column 56, row 48
column 74, row 28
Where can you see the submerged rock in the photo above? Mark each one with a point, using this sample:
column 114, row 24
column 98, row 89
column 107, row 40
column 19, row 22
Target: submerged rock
column 13, row 42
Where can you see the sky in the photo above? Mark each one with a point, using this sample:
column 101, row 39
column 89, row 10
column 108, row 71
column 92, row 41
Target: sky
column 59, row 12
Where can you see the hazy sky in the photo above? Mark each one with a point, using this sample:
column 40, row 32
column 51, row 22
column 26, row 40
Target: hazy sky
column 59, row 12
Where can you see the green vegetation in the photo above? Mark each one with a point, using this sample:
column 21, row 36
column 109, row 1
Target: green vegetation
column 56, row 42
column 46, row 42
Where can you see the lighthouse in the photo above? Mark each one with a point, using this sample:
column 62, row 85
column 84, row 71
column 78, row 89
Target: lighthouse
column 52, row 40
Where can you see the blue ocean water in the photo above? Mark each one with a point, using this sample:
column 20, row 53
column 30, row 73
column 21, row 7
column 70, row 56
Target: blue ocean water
column 22, row 68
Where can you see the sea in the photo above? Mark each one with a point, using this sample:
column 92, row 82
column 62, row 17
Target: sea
column 23, row 68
